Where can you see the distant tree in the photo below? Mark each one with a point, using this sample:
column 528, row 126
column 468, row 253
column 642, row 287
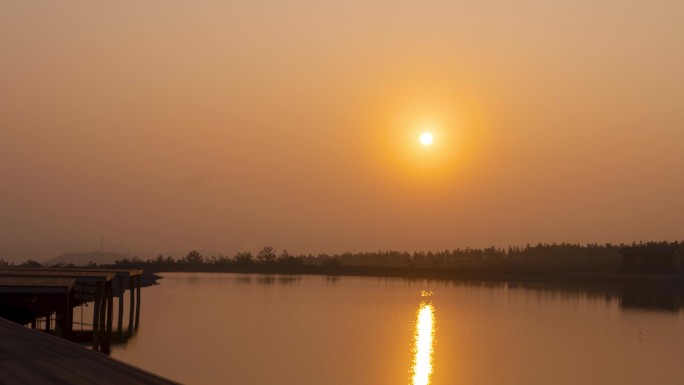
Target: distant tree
column 331, row 262
column 266, row 255
column 159, row 260
column 4, row 263
column 243, row 258
column 194, row 258
column 222, row 260
column 286, row 258
column 31, row 263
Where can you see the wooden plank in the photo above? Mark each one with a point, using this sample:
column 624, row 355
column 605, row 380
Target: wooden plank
column 37, row 285
column 31, row 357
column 79, row 275
column 128, row 272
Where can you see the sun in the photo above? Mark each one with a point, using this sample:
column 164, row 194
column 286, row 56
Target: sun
column 426, row 138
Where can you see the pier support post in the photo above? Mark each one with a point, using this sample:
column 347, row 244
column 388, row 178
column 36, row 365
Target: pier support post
column 66, row 316
column 137, row 304
column 121, row 305
column 70, row 313
column 59, row 323
column 62, row 318
column 103, row 313
column 109, row 296
column 131, row 312
column 96, row 316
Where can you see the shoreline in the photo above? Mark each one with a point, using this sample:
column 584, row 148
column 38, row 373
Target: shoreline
column 667, row 281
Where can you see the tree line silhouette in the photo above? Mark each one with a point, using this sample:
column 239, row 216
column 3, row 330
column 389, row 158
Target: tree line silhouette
column 551, row 257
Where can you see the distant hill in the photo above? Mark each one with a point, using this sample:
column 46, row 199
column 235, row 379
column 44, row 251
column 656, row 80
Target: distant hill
column 42, row 251
column 83, row 259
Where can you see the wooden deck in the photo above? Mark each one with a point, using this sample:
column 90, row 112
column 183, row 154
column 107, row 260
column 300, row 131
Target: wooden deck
column 86, row 276
column 85, row 285
column 35, row 285
column 117, row 272
column 37, row 358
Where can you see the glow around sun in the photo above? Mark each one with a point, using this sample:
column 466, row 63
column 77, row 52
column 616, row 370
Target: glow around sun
column 426, row 138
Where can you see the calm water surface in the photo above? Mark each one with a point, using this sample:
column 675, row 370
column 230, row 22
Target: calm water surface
column 211, row 328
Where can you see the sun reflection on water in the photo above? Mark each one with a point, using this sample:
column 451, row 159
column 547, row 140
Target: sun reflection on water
column 424, row 342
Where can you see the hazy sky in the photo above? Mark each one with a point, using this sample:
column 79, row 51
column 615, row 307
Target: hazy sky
column 230, row 125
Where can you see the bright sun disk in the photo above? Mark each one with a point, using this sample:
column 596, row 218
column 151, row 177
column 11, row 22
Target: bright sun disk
column 426, row 138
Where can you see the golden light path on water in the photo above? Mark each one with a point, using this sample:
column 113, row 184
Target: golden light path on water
column 424, row 343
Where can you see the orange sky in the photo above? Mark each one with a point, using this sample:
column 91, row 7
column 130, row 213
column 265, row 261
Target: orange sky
column 231, row 125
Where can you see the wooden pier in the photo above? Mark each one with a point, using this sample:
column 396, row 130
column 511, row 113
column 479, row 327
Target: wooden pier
column 32, row 357
column 23, row 298
column 30, row 295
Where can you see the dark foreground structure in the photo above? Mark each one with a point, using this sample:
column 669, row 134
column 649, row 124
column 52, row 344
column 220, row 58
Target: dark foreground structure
column 33, row 357
column 46, row 298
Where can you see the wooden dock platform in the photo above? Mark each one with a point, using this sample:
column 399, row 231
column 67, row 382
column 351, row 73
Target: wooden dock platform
column 32, row 357
column 35, row 285
column 23, row 298
column 17, row 301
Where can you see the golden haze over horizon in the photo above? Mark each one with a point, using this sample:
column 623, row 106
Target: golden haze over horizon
column 229, row 126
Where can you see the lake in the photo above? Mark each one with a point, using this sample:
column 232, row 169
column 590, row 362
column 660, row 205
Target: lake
column 222, row 328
